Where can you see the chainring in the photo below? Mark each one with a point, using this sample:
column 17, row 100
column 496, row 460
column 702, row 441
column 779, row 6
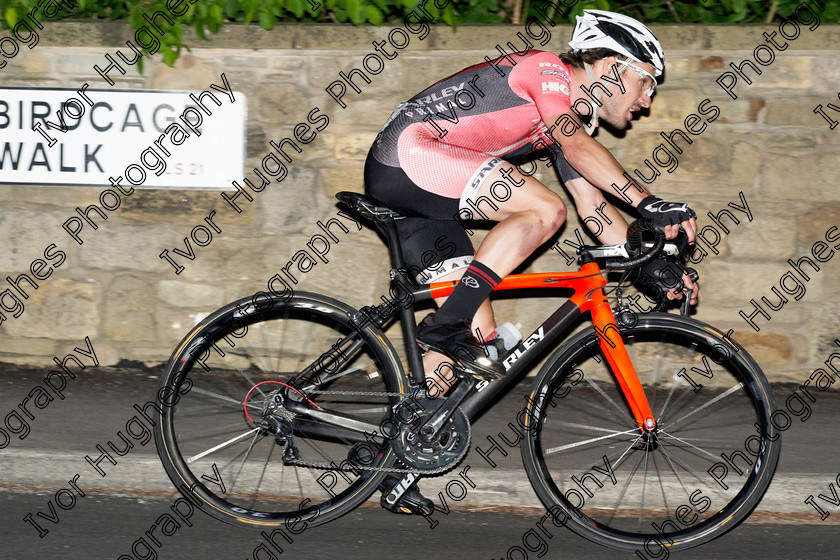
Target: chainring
column 443, row 452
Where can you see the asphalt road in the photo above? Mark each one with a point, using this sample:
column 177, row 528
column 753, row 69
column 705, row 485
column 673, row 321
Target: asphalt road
column 121, row 507
column 106, row 527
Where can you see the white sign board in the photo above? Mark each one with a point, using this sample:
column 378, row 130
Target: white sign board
column 108, row 131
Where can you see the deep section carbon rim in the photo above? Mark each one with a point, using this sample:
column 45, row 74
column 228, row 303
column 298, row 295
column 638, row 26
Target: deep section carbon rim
column 670, row 488
column 238, row 384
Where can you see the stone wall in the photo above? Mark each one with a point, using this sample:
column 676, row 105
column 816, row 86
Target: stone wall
column 767, row 145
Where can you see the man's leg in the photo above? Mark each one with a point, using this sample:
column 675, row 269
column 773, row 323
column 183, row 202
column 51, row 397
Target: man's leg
column 529, row 214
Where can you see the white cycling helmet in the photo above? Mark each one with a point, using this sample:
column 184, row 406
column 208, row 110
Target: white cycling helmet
column 599, row 29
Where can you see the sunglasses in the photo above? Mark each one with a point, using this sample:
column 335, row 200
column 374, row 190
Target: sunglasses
column 644, row 75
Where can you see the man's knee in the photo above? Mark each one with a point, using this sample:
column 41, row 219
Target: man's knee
column 552, row 215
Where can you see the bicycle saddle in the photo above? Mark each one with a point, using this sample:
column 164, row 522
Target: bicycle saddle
column 366, row 206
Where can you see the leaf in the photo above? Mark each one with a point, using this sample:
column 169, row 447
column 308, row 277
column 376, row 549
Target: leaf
column 199, row 29
column 448, row 16
column 266, row 18
column 215, row 12
column 373, row 15
column 169, row 56
column 354, row 11
column 298, row 7
column 11, row 16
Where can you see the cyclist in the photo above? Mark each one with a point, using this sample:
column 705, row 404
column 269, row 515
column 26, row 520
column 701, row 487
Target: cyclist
column 449, row 154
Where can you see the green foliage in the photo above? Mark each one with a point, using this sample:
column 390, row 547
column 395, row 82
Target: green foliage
column 210, row 15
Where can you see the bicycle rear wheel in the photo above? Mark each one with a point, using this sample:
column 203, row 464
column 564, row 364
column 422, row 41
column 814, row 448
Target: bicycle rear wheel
column 227, row 426
column 593, row 468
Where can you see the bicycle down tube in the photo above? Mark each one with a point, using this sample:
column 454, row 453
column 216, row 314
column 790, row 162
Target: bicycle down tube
column 588, row 284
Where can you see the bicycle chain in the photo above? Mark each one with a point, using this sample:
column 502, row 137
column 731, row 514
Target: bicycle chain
column 367, row 393
column 333, row 467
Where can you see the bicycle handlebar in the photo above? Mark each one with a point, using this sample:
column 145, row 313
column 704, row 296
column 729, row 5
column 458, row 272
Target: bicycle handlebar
column 634, row 242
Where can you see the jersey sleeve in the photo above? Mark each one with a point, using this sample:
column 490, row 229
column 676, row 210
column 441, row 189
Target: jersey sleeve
column 546, row 81
column 564, row 170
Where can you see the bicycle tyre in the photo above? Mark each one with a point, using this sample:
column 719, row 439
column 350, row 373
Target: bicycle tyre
column 666, row 341
column 234, row 342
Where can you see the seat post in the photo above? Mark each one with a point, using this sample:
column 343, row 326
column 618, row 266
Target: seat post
column 401, row 281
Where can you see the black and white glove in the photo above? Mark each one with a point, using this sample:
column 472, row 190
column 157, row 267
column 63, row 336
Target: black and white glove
column 658, row 276
column 664, row 213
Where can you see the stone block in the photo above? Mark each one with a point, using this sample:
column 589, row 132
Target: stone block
column 343, row 179
column 814, row 223
column 825, row 76
column 720, row 37
column 728, row 282
column 183, row 207
column 743, row 110
column 711, row 63
column 128, row 315
column 278, row 103
column 28, row 233
column 801, row 178
column 672, row 105
column 188, row 73
column 363, row 111
column 61, row 309
column 767, row 348
column 679, row 37
column 118, row 244
column 183, row 294
column 354, row 146
column 36, row 348
column 35, row 63
column 822, row 330
column 797, row 111
column 771, row 234
column 746, row 160
column 81, row 63
column 326, row 37
column 289, row 206
column 476, row 38
column 172, row 325
column 786, row 73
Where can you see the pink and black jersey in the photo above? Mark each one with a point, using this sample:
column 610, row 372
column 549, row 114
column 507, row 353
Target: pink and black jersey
column 444, row 139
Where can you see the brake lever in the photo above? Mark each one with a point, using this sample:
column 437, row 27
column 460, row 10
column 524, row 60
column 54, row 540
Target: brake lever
column 686, row 306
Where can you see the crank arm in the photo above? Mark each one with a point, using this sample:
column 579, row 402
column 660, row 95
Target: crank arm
column 433, row 425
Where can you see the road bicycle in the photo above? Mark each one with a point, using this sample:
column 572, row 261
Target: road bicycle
column 638, row 430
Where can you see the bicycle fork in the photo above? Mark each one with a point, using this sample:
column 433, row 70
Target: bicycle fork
column 613, row 349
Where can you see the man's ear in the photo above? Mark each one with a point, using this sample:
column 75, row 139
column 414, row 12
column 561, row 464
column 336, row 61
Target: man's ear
column 603, row 66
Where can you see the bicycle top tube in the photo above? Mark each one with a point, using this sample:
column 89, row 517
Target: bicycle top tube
column 586, row 283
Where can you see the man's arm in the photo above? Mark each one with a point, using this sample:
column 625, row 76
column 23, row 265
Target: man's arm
column 600, row 217
column 598, row 166
column 608, row 224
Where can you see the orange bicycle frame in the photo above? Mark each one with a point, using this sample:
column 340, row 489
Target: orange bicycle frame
column 588, row 284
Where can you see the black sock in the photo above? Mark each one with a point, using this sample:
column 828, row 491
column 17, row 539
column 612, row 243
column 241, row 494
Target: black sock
column 475, row 285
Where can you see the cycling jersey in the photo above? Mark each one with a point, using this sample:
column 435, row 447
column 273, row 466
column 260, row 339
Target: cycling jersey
column 436, row 149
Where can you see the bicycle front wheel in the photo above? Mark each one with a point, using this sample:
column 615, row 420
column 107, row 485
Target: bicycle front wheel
column 229, row 436
column 699, row 474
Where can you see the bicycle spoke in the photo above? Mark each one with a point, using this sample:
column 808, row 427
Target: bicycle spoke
column 730, row 391
column 221, row 446
column 262, row 476
column 703, row 451
column 585, row 442
column 622, row 412
column 220, row 397
column 242, row 464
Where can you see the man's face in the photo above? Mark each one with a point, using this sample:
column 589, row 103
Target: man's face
column 619, row 109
